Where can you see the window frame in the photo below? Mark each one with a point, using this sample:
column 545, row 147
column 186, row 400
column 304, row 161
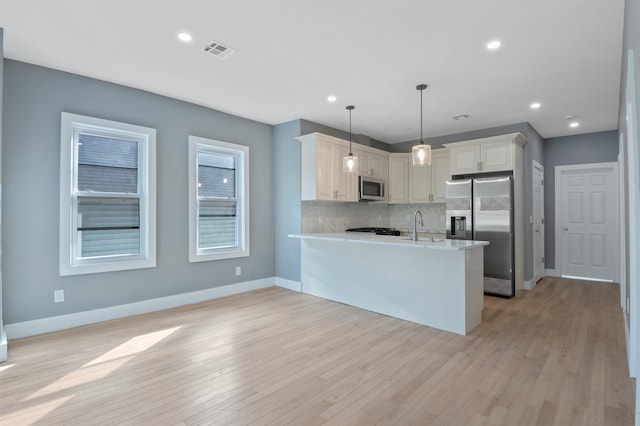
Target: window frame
column 70, row 263
column 198, row 144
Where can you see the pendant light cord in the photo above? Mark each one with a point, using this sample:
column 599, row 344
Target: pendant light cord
column 421, row 88
column 350, row 108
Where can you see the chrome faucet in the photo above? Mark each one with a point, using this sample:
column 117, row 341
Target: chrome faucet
column 415, row 226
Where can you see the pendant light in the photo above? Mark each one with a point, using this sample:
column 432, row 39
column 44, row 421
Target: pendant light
column 350, row 162
column 421, row 153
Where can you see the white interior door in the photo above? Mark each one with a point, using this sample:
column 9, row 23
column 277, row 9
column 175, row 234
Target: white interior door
column 587, row 241
column 538, row 221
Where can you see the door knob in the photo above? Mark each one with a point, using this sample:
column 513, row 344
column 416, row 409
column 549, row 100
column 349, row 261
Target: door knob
column 564, row 228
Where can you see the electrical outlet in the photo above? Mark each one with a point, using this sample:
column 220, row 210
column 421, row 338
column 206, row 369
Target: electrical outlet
column 238, row 270
column 58, row 296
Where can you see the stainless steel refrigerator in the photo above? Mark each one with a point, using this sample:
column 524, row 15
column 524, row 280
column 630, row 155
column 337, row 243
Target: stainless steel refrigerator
column 482, row 209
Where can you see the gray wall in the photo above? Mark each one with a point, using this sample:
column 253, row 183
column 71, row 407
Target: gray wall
column 286, row 189
column 438, row 141
column 35, row 97
column 1, row 97
column 307, row 127
column 588, row 148
column 630, row 40
column 286, row 192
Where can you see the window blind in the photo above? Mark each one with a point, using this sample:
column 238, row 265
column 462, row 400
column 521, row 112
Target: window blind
column 107, row 225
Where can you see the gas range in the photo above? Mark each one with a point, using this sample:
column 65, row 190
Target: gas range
column 377, row 231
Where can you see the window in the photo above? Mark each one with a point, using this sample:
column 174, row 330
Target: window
column 107, row 196
column 218, row 200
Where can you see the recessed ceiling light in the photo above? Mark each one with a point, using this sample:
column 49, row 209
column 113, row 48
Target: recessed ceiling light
column 331, row 98
column 574, row 124
column 535, row 105
column 493, row 45
column 186, row 37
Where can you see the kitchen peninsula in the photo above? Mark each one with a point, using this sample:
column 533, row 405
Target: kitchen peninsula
column 435, row 283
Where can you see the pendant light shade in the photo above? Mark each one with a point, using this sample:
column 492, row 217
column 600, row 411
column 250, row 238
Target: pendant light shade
column 421, row 153
column 350, row 162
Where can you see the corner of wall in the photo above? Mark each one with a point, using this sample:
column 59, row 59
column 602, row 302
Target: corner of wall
column 3, row 344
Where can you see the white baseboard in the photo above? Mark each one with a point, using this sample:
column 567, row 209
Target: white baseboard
column 289, row 284
column 632, row 373
column 529, row 285
column 62, row 322
column 551, row 273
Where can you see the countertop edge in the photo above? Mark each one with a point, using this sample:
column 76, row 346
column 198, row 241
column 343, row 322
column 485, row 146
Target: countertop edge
column 458, row 245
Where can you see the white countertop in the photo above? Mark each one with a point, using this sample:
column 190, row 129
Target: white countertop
column 389, row 240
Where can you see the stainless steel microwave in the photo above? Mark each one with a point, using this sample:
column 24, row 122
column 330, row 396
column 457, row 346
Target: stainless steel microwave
column 370, row 189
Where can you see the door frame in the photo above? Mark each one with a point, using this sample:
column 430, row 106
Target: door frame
column 536, row 278
column 559, row 172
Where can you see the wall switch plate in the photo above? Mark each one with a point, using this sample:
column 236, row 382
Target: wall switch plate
column 238, row 270
column 58, row 296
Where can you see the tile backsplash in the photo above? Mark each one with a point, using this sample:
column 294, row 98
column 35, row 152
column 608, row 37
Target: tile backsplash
column 433, row 214
column 332, row 216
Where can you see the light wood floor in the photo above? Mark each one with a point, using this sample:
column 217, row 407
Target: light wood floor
column 554, row 356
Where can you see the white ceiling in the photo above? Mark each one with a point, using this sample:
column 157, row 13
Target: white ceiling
column 291, row 54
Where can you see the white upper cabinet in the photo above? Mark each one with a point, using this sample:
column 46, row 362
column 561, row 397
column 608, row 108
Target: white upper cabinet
column 419, row 184
column 465, row 159
column 492, row 154
column 323, row 171
column 398, row 179
column 440, row 174
column 322, row 177
column 423, row 184
column 372, row 165
column 344, row 184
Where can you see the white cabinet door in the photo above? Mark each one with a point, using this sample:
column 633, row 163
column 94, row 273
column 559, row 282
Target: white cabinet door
column 420, row 184
column 399, row 180
column 343, row 183
column 322, row 177
column 440, row 173
column 484, row 157
column 364, row 158
column 370, row 164
column 376, row 166
column 464, row 159
column 496, row 156
column 324, row 181
column 384, row 174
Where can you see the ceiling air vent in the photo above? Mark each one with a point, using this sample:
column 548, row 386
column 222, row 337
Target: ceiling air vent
column 460, row 117
column 219, row 50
